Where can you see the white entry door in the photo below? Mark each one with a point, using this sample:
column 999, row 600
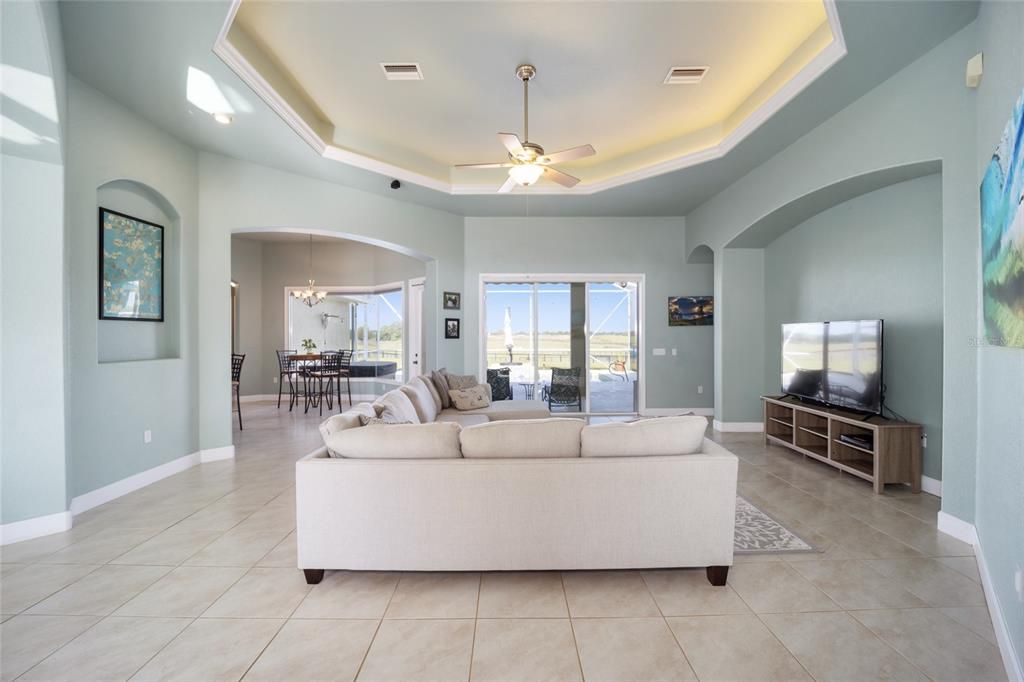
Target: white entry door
column 414, row 328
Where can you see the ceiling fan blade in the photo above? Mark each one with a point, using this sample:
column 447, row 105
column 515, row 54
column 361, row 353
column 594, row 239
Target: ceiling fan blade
column 512, row 144
column 581, row 152
column 563, row 179
column 484, row 165
column 510, row 183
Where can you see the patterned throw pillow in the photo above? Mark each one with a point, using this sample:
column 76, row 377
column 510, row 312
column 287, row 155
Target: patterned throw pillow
column 457, row 382
column 471, row 398
column 376, row 421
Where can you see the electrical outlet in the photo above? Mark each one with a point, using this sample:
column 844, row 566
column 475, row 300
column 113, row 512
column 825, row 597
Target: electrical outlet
column 924, row 440
column 674, row 352
column 658, row 351
column 147, row 436
column 700, row 389
column 274, row 378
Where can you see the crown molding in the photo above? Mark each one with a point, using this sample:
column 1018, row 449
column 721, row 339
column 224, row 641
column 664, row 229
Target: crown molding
column 821, row 63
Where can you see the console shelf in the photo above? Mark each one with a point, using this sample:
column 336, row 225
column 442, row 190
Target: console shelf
column 893, row 456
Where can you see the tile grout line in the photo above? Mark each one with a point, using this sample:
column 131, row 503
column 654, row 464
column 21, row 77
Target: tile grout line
column 572, row 626
column 664, row 620
column 376, row 630
column 476, row 621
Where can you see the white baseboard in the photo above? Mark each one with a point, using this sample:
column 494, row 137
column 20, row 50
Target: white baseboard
column 217, row 454
column 272, row 397
column 676, row 411
column 35, row 528
column 263, row 398
column 1011, row 660
column 930, row 485
column 95, row 498
column 957, row 528
column 738, row 427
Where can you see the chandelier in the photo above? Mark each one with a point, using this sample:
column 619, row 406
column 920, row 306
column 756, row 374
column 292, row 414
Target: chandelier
column 310, row 296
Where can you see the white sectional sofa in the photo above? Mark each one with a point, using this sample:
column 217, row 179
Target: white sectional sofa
column 530, row 494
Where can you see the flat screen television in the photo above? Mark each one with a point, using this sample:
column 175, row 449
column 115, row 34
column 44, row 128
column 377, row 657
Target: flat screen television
column 834, row 363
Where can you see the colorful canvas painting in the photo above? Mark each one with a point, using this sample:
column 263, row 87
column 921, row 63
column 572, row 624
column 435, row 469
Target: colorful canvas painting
column 131, row 268
column 1002, row 236
column 691, row 311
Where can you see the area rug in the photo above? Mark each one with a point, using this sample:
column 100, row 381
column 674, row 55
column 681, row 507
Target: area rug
column 759, row 533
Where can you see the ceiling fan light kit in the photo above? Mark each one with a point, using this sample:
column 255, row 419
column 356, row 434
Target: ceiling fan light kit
column 527, row 160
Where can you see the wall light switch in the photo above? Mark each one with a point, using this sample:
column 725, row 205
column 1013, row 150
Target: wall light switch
column 700, row 388
column 675, row 351
column 274, row 378
column 147, row 436
column 924, row 440
column 658, row 351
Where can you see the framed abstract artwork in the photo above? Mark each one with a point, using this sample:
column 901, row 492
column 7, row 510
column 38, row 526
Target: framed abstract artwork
column 1002, row 236
column 691, row 311
column 131, row 268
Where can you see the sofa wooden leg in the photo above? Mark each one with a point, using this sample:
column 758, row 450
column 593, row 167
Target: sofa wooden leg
column 717, row 575
column 315, row 575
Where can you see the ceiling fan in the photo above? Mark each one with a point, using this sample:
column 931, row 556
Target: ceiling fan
column 527, row 160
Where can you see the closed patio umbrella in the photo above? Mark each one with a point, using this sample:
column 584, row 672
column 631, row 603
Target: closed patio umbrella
column 508, row 331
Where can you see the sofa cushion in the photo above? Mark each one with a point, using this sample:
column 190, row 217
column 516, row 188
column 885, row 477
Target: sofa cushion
column 459, row 381
column 471, row 398
column 433, row 392
column 463, row 419
column 441, row 384
column 510, row 409
column 421, row 400
column 395, row 406
column 346, row 420
column 522, row 438
column 658, row 436
column 397, row 441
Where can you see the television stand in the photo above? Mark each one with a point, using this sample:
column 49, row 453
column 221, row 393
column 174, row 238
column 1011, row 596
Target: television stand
column 816, row 432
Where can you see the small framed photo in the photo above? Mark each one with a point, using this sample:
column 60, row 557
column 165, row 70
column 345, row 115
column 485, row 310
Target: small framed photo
column 451, row 327
column 452, row 300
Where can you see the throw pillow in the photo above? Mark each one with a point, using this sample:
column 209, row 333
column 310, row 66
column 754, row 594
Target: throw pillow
column 458, row 382
column 471, row 398
column 428, row 382
column 498, row 380
column 376, row 421
column 396, row 406
column 441, row 383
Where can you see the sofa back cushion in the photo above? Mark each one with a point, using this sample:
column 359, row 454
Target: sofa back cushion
column 460, row 381
column 658, row 436
column 421, row 400
column 397, row 441
column 395, row 406
column 474, row 398
column 522, row 438
column 429, row 383
column 441, row 384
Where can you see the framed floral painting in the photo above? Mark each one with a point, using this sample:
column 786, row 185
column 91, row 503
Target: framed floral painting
column 131, row 268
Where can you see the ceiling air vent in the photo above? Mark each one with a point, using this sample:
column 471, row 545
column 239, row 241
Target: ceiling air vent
column 402, row 71
column 685, row 75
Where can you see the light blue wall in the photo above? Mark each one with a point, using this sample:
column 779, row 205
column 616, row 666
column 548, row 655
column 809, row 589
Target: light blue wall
column 111, row 404
column 1000, row 481
column 922, row 113
column 33, row 462
column 237, row 196
column 739, row 291
column 871, row 257
column 651, row 246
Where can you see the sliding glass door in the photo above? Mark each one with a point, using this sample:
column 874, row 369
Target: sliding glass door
column 571, row 342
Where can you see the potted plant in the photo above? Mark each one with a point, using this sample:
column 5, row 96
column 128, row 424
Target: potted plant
column 308, row 345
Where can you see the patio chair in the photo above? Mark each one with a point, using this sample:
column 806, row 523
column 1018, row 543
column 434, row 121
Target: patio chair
column 500, row 382
column 565, row 388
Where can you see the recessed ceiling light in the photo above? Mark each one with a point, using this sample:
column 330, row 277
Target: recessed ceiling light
column 222, row 118
column 685, row 75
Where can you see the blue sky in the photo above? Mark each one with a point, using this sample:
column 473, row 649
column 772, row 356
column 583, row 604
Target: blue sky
column 553, row 312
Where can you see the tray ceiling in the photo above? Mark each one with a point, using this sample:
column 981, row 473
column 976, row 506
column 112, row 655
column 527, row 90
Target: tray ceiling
column 600, row 77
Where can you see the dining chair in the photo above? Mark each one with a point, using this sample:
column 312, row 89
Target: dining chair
column 325, row 380
column 287, row 368
column 236, row 375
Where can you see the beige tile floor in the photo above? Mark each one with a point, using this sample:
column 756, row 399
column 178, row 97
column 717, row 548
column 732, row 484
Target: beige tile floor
column 194, row 578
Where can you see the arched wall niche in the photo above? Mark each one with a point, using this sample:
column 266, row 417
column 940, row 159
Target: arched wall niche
column 702, row 254
column 131, row 340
